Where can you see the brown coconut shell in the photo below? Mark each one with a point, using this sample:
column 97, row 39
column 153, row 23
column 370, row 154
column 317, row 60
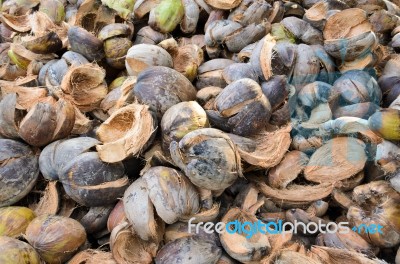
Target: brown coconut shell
column 93, row 256
column 271, row 147
column 84, row 86
column 125, row 133
column 50, row 201
column 288, row 169
column 127, row 247
column 295, row 195
column 338, row 159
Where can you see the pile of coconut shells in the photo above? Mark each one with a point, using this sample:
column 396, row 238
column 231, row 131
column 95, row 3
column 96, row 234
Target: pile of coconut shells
column 128, row 128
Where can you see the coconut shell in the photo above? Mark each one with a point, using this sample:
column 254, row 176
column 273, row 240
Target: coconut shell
column 267, row 143
column 142, row 56
column 288, row 169
column 139, row 211
column 171, row 193
column 19, row 171
column 295, row 195
column 181, row 119
column 85, row 43
column 237, row 245
column 212, row 145
column 119, row 133
column 337, row 255
column 50, row 202
column 16, row 23
column 342, row 157
column 9, row 117
column 225, row 5
column 106, row 184
column 210, row 73
column 191, row 16
column 127, row 247
column 180, row 229
column 95, row 219
column 117, row 216
column 190, row 250
column 161, row 87
column 16, row 251
column 14, row 220
column 93, row 256
column 84, row 86
column 350, row 241
column 55, row 238
column 302, row 30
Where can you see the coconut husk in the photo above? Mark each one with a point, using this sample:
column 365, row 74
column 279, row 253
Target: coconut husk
column 84, row 86
column 347, row 23
column 117, row 216
column 128, row 248
column 328, row 255
column 271, row 147
column 93, row 256
column 9, row 118
column 148, row 226
column 342, row 199
column 82, row 123
column 237, row 245
column 288, row 169
column 295, row 195
column 26, row 96
column 42, row 24
column 93, row 16
column 204, row 215
column 125, row 133
column 49, row 203
column 16, row 23
column 155, row 156
column 119, row 97
column 338, row 159
column 223, row 4
column 21, row 51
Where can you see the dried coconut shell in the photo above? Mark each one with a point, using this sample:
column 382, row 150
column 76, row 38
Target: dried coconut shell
column 155, row 156
column 126, row 133
column 171, row 193
column 118, row 97
column 338, row 159
column 117, row 216
column 237, row 245
column 338, row 256
column 47, row 121
column 347, row 23
column 271, row 147
column 180, row 229
column 26, row 96
column 93, row 256
column 295, row 195
column 223, row 4
column 292, row 164
column 347, row 125
column 293, row 257
column 84, row 86
column 142, row 56
column 16, row 23
column 204, row 215
column 9, row 118
column 82, row 123
column 189, row 250
column 128, row 248
column 50, row 201
column 351, row 241
column 139, row 211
